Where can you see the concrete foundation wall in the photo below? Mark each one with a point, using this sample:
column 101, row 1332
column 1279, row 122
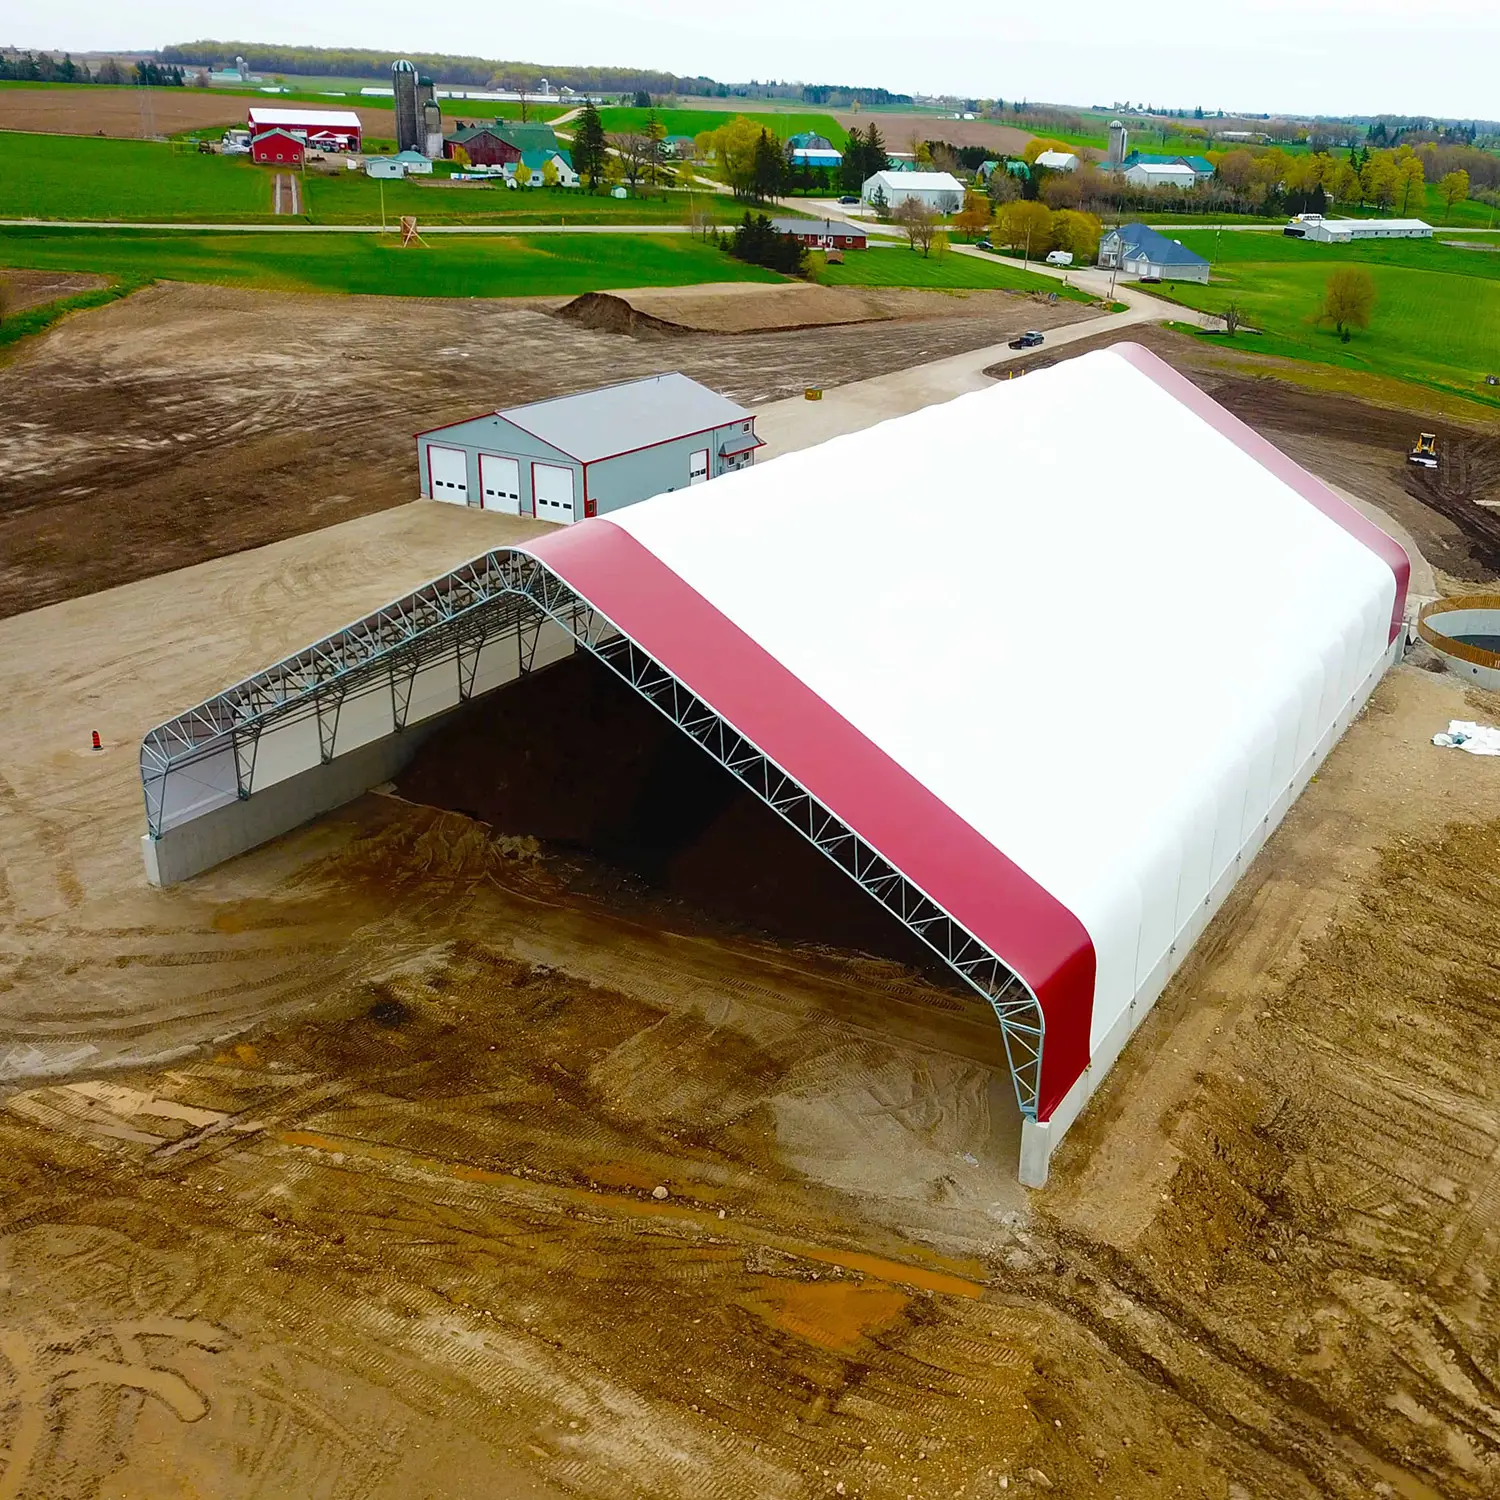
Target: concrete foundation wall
column 206, row 841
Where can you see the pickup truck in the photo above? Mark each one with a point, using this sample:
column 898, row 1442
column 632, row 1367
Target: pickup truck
column 1030, row 340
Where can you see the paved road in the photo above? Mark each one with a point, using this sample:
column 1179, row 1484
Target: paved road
column 352, row 228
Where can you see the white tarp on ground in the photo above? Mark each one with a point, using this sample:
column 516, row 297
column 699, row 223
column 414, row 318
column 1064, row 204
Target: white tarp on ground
column 1477, row 739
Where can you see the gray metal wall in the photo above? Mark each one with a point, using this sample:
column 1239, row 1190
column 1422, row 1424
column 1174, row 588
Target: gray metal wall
column 617, row 482
column 613, row 483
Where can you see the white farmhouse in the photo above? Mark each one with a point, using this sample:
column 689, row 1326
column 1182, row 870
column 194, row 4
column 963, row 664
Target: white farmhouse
column 941, row 192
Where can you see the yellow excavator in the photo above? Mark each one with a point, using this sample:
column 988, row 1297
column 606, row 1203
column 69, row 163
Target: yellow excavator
column 1424, row 451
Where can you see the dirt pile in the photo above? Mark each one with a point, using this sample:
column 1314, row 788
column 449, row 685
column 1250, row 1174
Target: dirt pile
column 603, row 312
column 573, row 758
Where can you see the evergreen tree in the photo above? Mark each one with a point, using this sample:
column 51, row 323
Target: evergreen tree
column 877, row 158
column 589, row 150
column 769, row 168
column 851, row 171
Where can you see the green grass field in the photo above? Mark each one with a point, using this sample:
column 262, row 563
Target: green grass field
column 901, row 266
column 353, row 198
column 449, row 266
column 621, row 119
column 85, row 177
column 1437, row 312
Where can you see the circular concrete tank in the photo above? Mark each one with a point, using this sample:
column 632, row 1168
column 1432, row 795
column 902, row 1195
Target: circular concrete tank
column 1465, row 631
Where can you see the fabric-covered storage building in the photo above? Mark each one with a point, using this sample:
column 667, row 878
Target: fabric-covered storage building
column 1046, row 724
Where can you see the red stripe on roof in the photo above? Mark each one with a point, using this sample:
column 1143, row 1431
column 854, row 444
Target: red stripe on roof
column 1309, row 486
column 1022, row 924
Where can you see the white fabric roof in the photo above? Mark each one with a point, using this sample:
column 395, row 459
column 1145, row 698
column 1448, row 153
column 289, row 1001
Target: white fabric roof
column 1109, row 664
column 313, row 119
column 618, row 418
column 1059, row 159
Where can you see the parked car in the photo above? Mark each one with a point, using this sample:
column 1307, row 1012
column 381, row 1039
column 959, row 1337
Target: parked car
column 983, row 245
column 849, row 198
column 1029, row 340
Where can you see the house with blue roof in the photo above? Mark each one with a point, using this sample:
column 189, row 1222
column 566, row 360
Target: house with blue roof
column 1140, row 253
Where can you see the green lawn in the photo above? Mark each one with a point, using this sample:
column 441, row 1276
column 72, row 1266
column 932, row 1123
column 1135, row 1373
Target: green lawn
column 1437, row 312
column 449, row 266
column 901, row 266
column 86, row 177
column 353, row 198
column 622, row 119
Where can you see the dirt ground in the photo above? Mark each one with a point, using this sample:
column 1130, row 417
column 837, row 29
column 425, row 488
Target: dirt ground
column 898, row 131
column 25, row 289
column 145, row 112
column 748, row 307
column 200, row 420
column 381, row 1216
column 1454, row 515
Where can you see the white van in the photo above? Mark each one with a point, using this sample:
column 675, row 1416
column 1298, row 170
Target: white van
column 1059, row 257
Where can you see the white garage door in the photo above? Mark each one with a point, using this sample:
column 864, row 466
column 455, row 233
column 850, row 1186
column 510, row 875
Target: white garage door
column 553, row 487
column 500, row 483
column 698, row 466
column 448, row 468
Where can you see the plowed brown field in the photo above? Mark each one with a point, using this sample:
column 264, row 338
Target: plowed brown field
column 146, row 112
column 472, row 1165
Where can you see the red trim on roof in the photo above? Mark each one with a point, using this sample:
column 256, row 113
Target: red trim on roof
column 1309, row 486
column 919, row 834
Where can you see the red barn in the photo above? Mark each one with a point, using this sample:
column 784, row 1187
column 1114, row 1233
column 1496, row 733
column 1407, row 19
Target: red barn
column 277, row 148
column 332, row 129
column 483, row 146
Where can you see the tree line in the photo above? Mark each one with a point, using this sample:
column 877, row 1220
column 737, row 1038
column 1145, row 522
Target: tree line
column 364, row 62
column 28, row 67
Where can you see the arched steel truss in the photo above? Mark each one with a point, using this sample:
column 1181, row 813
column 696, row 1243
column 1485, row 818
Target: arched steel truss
column 508, row 593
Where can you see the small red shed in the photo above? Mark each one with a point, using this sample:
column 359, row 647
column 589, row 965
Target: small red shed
column 277, row 148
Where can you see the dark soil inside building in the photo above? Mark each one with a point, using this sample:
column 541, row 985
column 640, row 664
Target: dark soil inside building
column 574, row 758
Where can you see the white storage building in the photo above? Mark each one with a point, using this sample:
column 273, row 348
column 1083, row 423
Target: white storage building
column 1055, row 788
column 1342, row 231
column 1058, row 161
column 941, row 192
column 1161, row 174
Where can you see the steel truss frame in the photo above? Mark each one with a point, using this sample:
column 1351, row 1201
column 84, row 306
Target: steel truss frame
column 510, row 593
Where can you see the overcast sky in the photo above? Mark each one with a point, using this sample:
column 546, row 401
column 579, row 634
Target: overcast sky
column 1307, row 56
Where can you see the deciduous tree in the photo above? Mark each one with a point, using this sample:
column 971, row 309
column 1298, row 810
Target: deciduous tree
column 1454, row 187
column 1025, row 225
column 1410, row 181
column 1348, row 300
column 974, row 217
column 1077, row 231
column 919, row 222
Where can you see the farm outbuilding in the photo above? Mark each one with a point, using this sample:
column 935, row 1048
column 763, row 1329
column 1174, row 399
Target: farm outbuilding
column 277, row 148
column 940, row 192
column 588, row 454
column 328, row 129
column 1343, row 231
column 1047, row 739
column 1161, row 174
